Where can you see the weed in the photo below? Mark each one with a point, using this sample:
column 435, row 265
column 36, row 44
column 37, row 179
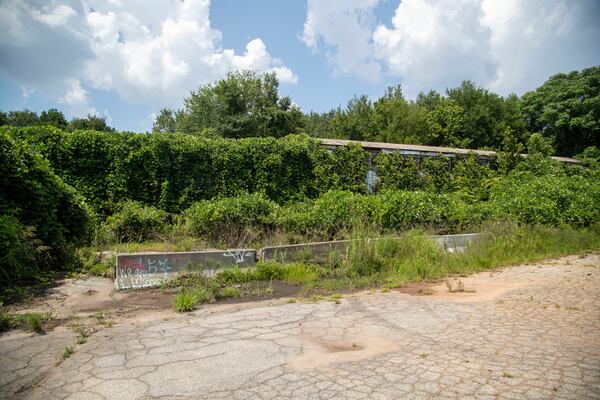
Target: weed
column 290, row 301
column 572, row 308
column 67, row 352
column 228, row 292
column 423, row 355
column 185, row 301
column 335, row 296
column 36, row 322
column 100, row 316
column 557, row 305
column 385, row 290
column 460, row 288
column 427, row 291
column 81, row 339
column 507, row 375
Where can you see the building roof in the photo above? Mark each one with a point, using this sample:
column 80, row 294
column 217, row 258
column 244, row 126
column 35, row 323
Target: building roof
column 424, row 150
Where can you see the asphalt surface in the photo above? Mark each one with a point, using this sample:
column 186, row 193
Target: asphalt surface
column 526, row 332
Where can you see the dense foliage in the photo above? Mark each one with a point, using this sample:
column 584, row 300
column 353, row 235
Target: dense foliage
column 230, row 191
column 243, row 104
column 171, row 171
column 42, row 219
column 55, row 118
column 566, row 108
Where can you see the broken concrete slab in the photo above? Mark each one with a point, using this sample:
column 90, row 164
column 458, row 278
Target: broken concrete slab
column 138, row 270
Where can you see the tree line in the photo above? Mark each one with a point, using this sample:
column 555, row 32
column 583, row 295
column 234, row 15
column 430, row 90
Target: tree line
column 564, row 110
column 55, row 118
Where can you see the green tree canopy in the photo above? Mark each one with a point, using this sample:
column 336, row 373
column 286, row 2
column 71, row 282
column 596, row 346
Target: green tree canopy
column 566, row 108
column 243, row 104
column 53, row 117
column 91, row 122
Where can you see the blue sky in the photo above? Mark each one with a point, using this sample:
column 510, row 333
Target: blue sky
column 126, row 59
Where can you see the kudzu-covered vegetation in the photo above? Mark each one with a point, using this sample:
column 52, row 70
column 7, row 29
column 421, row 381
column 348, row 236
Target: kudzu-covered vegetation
column 62, row 187
column 162, row 187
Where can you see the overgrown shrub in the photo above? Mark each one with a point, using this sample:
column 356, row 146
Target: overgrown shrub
column 134, row 222
column 228, row 218
column 399, row 210
column 42, row 204
column 18, row 253
column 396, row 171
column 551, row 199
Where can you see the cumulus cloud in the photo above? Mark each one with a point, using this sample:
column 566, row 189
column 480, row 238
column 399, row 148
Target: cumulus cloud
column 436, row 43
column 510, row 46
column 76, row 99
column 149, row 54
column 344, row 29
column 534, row 39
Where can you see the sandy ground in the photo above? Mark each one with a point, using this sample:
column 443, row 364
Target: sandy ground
column 530, row 331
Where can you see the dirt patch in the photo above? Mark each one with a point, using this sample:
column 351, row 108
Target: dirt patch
column 478, row 287
column 417, row 289
column 320, row 351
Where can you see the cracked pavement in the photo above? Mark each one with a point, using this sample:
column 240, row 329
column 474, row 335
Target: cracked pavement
column 527, row 332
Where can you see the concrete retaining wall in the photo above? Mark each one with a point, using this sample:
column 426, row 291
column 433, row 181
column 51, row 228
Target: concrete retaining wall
column 315, row 252
column 320, row 251
column 141, row 270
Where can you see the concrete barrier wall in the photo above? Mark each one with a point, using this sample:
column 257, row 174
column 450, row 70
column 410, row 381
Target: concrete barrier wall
column 456, row 243
column 315, row 252
column 141, row 270
column 320, row 251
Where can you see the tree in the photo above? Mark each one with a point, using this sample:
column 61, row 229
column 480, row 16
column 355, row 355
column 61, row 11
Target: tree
column 566, row 108
column 319, row 124
column 243, row 104
column 91, row 122
column 165, row 121
column 356, row 121
column 53, row 117
column 22, row 118
column 484, row 118
column 446, row 125
column 397, row 120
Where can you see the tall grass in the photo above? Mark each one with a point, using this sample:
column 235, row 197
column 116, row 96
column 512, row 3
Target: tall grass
column 394, row 261
column 415, row 257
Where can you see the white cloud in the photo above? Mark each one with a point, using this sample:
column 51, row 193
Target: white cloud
column 511, row 45
column 150, row 54
column 534, row 39
column 76, row 99
column 344, row 29
column 55, row 17
column 434, row 44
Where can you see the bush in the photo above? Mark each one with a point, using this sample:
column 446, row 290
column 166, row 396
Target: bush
column 399, row 210
column 230, row 218
column 340, row 210
column 185, row 301
column 551, row 199
column 38, row 202
column 134, row 222
column 18, row 254
column 396, row 171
